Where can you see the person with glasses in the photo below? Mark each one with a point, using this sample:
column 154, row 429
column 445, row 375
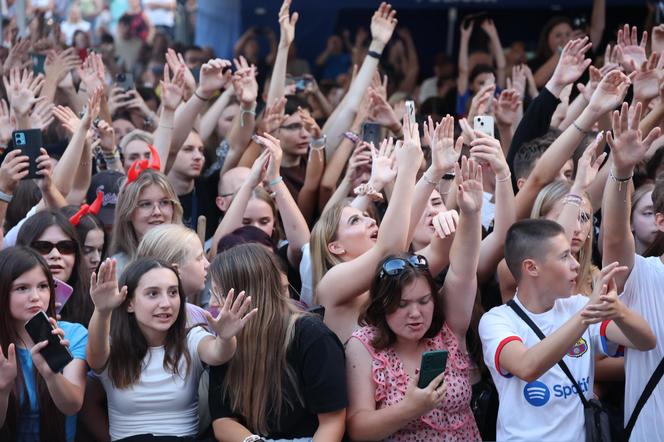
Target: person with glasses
column 407, row 315
column 51, row 235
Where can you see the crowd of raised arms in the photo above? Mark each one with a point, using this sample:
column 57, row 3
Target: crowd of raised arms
column 260, row 249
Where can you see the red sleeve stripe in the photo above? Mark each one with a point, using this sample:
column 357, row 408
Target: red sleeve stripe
column 602, row 328
column 499, row 349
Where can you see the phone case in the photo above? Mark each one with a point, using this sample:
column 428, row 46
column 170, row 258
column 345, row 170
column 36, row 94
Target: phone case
column 433, row 363
column 410, row 110
column 484, row 123
column 63, row 292
column 371, row 133
column 56, row 355
column 29, row 141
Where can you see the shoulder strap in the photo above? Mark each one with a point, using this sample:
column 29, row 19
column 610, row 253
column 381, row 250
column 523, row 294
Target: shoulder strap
column 650, row 386
column 519, row 311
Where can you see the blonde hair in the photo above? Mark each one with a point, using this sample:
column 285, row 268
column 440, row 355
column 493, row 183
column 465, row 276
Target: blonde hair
column 544, row 203
column 323, row 233
column 263, row 344
column 125, row 239
column 169, row 242
column 136, row 134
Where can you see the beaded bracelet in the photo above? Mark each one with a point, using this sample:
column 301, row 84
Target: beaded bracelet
column 369, row 191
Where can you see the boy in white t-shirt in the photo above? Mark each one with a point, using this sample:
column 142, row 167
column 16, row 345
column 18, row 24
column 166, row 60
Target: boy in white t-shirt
column 537, row 400
column 643, row 283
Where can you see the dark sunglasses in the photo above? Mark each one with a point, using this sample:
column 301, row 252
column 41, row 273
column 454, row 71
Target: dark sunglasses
column 67, row 247
column 394, row 266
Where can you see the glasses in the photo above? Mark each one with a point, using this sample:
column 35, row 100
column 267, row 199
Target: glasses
column 394, row 266
column 67, row 247
column 148, row 206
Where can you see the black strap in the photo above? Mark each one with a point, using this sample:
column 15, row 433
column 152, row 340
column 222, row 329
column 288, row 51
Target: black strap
column 519, row 311
column 650, row 387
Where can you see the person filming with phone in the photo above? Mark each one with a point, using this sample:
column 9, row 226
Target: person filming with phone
column 413, row 332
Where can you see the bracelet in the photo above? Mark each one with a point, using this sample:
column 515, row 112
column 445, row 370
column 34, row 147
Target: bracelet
column 275, row 181
column 374, row 54
column 620, row 181
column 110, row 156
column 352, row 136
column 6, row 197
column 166, row 126
column 507, row 177
column 584, row 132
column 318, row 143
column 369, row 191
column 200, row 97
column 571, row 201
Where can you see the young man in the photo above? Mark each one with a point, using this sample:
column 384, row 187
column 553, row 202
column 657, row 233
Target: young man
column 642, row 283
column 537, row 400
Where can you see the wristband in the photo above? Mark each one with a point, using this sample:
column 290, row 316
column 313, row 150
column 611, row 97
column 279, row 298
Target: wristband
column 505, row 178
column 584, row 132
column 429, row 180
column 620, row 181
column 253, row 438
column 374, row 54
column 319, row 143
column 449, row 176
column 275, row 181
column 369, row 191
column 243, row 112
column 200, row 97
column 352, row 136
column 6, row 197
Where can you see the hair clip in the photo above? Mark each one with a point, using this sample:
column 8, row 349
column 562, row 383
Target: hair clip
column 86, row 209
column 139, row 166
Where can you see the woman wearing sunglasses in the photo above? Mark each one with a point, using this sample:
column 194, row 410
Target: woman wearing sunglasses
column 407, row 316
column 51, row 235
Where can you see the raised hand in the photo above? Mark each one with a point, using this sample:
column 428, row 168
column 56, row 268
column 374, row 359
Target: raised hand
column 588, row 165
column 7, row 123
column 67, row 118
column 489, row 28
column 628, row 147
column 244, row 82
column 379, row 85
column 8, row 369
column 572, row 62
column 92, row 111
column 382, row 164
column 118, row 99
column 470, row 192
column 506, row 107
column 479, row 105
column 13, row 169
column 106, row 136
column 518, row 80
column 612, row 59
column 444, row 151
column 309, row 123
column 58, row 65
column 92, row 72
column 17, row 55
column 383, row 23
column 172, row 88
column 380, row 111
column 588, row 89
column 273, row 116
column 657, row 40
column 258, row 169
column 646, row 80
column 632, row 50
column 610, row 92
column 287, row 23
column 42, row 115
column 604, row 304
column 175, row 63
column 445, row 223
column 104, row 290
column 233, row 315
column 22, row 90
column 486, row 150
column 44, row 170
column 215, row 75
column 358, row 161
column 273, row 147
column 409, row 153
column 466, row 31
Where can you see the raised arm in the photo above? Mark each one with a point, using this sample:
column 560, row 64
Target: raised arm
column 172, row 89
column 22, row 89
column 496, row 49
column 597, row 22
column 287, row 23
column 210, row 118
column 464, row 71
column 627, row 150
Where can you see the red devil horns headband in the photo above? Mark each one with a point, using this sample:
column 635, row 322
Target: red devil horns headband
column 93, row 208
column 139, row 166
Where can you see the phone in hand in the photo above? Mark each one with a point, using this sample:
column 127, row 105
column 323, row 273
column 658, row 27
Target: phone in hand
column 484, row 123
column 29, row 141
column 410, row 110
column 38, row 61
column 371, row 133
column 57, row 356
column 433, row 363
column 125, row 81
column 301, row 83
column 63, row 292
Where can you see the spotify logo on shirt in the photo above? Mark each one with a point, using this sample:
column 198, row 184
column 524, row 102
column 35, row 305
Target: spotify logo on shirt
column 536, row 393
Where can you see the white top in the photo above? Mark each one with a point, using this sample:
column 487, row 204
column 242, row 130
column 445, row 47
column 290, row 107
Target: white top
column 488, row 210
column 160, row 17
column 68, row 29
column 428, row 89
column 307, row 277
column 10, row 237
column 643, row 293
column 547, row 409
column 160, row 403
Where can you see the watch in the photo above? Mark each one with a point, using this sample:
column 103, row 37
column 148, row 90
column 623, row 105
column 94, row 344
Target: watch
column 6, row 197
column 253, row 438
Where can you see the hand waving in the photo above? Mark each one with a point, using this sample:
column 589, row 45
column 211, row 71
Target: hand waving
column 22, row 90
column 469, row 181
column 383, row 23
column 444, row 151
column 233, row 315
column 646, row 80
column 104, row 288
column 172, row 88
column 572, row 62
column 610, row 92
column 287, row 23
column 588, row 165
column 628, row 147
column 382, row 164
column 214, row 76
column 244, row 82
column 633, row 52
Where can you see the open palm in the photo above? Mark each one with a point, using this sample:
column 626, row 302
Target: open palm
column 471, row 191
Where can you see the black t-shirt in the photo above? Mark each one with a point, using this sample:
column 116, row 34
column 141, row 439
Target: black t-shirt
column 205, row 191
column 293, row 273
column 318, row 359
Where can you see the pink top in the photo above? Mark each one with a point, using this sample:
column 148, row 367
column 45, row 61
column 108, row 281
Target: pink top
column 453, row 421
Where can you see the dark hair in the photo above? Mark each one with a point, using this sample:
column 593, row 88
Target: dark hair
column 14, row 262
column 295, row 101
column 525, row 239
column 479, row 70
column 385, row 295
column 658, row 194
column 530, row 151
column 26, row 196
column 245, row 235
column 128, row 344
column 79, row 308
column 85, row 225
column 543, row 50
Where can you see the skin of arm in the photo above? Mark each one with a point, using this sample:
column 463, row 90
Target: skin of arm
column 597, row 22
column 83, row 177
column 215, row 350
column 462, row 79
column 412, row 63
column 331, row 426
column 211, row 117
column 229, row 430
column 99, row 347
column 497, row 51
column 307, row 199
column 286, row 36
column 631, row 330
column 543, row 74
column 239, row 137
column 68, row 388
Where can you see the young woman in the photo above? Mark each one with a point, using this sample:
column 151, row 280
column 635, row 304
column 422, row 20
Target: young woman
column 292, row 362
column 51, row 235
column 35, row 402
column 642, row 218
column 406, row 316
column 147, row 360
column 91, row 235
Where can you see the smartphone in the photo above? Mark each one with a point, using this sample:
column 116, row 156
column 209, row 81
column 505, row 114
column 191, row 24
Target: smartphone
column 125, row 81
column 483, row 123
column 63, row 292
column 371, row 133
column 317, row 310
column 38, row 61
column 301, row 83
column 410, row 110
column 433, row 363
column 83, row 54
column 57, row 355
column 29, row 141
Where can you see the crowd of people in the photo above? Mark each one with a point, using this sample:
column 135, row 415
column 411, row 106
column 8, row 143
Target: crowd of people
column 267, row 249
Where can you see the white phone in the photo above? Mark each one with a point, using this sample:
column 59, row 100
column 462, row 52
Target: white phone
column 410, row 110
column 484, row 123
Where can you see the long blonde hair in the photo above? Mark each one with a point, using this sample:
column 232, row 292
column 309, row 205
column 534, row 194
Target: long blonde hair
column 169, row 243
column 125, row 239
column 254, row 381
column 546, row 199
column 324, row 232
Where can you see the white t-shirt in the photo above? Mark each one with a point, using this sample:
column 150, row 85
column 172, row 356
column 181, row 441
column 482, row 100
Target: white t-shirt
column 160, row 403
column 643, row 293
column 160, row 17
column 68, row 29
column 547, row 409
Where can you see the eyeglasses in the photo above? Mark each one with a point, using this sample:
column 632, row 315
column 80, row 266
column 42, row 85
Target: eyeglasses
column 67, row 247
column 148, row 206
column 394, row 266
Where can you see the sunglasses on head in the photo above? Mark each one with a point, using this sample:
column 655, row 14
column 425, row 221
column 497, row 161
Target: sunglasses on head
column 67, row 247
column 394, row 266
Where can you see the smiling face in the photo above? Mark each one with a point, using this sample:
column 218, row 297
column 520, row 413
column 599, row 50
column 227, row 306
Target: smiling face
column 356, row 234
column 156, row 303
column 29, row 294
column 59, row 259
column 424, row 229
column 153, row 208
column 194, row 271
column 412, row 318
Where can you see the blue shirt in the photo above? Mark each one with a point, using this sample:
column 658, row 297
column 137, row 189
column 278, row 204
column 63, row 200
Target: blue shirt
column 28, row 427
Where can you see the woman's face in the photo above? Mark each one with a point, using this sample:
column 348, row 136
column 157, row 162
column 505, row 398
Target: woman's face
column 424, row 229
column 259, row 214
column 412, row 318
column 357, row 233
column 153, row 208
column 643, row 220
column 194, row 271
column 29, row 294
column 156, row 303
column 559, row 35
column 583, row 226
column 92, row 250
column 226, row 120
column 61, row 258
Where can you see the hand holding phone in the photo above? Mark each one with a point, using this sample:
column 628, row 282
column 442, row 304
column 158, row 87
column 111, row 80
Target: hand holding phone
column 433, row 364
column 484, row 124
column 56, row 355
column 29, row 142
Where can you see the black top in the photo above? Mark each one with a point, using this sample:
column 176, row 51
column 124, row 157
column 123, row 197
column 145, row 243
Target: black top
column 317, row 357
column 293, row 273
column 205, row 190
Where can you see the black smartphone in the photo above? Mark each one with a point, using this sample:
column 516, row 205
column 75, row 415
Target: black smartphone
column 301, row 83
column 38, row 61
column 29, row 141
column 57, row 355
column 433, row 363
column 318, row 310
column 125, row 81
column 371, row 133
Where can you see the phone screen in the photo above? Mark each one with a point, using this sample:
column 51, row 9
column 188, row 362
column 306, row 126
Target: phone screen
column 371, row 133
column 38, row 61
